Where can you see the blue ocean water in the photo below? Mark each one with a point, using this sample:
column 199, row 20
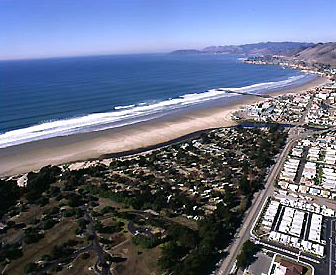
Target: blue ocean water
column 54, row 97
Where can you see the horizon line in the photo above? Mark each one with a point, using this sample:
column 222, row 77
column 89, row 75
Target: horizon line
column 75, row 56
column 154, row 52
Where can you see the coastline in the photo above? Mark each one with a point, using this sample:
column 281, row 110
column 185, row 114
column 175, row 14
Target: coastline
column 34, row 155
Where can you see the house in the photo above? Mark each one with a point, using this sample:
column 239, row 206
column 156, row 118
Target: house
column 291, row 268
column 285, row 267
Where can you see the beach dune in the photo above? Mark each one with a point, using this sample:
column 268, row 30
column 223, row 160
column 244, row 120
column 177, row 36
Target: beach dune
column 34, row 155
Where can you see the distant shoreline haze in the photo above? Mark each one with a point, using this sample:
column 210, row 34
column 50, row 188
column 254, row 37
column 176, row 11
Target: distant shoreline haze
column 253, row 48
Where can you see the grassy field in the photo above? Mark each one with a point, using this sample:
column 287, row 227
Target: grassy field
column 60, row 233
column 81, row 266
column 139, row 261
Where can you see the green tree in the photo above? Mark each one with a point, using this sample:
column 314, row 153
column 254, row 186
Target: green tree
column 30, row 268
column 244, row 257
column 48, row 224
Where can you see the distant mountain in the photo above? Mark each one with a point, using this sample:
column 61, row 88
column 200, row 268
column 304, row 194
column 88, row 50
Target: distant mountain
column 224, row 49
column 322, row 53
column 186, row 52
column 264, row 48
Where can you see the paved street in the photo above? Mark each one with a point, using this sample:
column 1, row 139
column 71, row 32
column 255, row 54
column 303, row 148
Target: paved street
column 295, row 134
column 105, row 267
column 244, row 232
column 331, row 246
column 322, row 266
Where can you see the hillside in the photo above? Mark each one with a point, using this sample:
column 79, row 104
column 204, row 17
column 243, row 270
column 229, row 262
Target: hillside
column 323, row 53
column 264, row 48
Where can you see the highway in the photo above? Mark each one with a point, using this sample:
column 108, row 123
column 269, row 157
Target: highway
column 331, row 234
column 244, row 232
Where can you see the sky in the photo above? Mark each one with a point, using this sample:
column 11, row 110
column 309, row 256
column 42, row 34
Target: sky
column 53, row 28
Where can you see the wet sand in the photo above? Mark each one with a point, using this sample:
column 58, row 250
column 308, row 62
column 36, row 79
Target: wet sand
column 34, row 155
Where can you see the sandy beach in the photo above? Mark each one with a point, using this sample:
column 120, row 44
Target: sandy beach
column 34, row 155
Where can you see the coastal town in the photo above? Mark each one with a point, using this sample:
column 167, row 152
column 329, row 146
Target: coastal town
column 256, row 198
column 150, row 203
column 294, row 229
column 142, row 137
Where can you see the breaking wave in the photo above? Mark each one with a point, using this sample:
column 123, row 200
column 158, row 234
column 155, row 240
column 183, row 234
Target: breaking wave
column 130, row 114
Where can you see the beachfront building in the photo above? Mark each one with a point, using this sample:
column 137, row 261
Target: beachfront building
column 323, row 109
column 320, row 105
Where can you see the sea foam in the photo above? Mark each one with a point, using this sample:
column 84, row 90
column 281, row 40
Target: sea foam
column 130, row 114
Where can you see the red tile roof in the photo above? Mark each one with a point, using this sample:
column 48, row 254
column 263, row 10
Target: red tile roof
column 292, row 268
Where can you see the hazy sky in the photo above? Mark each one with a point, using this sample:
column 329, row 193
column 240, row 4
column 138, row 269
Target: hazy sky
column 46, row 28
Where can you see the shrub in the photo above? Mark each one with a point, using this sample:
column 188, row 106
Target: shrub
column 85, row 256
column 30, row 267
column 49, row 224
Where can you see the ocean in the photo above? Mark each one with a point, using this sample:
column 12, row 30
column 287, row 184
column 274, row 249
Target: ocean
column 45, row 98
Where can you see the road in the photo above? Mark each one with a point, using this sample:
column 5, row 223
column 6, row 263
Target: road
column 331, row 234
column 244, row 233
column 105, row 266
column 295, row 134
column 322, row 265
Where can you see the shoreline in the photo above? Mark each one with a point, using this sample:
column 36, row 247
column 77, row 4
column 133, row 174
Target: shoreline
column 34, row 155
